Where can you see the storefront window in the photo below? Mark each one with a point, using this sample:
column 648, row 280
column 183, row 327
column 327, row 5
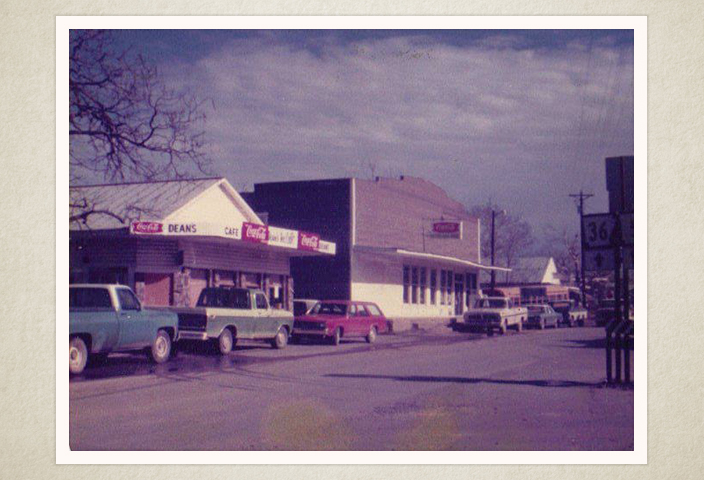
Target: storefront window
column 433, row 285
column 449, row 286
column 414, row 280
column 406, row 284
column 443, row 283
column 471, row 285
column 423, row 281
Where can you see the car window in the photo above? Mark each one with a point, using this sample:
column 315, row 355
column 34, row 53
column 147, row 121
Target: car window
column 352, row 310
column 89, row 298
column 299, row 308
column 127, row 299
column 361, row 311
column 241, row 299
column 330, row 309
column 374, row 310
column 261, row 301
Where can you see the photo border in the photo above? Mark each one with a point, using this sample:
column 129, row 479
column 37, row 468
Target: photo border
column 637, row 23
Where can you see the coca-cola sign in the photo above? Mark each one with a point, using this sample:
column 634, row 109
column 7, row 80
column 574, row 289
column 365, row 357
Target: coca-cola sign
column 308, row 241
column 446, row 227
column 147, row 227
column 252, row 232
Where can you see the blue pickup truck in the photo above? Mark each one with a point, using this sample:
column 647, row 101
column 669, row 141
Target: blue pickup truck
column 109, row 318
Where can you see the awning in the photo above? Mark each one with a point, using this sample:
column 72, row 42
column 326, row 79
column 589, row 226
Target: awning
column 427, row 256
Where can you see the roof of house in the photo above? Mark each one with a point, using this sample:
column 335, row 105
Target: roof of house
column 529, row 270
column 112, row 206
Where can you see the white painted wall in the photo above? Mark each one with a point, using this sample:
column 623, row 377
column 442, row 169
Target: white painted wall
column 379, row 279
column 212, row 206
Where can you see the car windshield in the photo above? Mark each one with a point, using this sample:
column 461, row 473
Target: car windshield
column 330, row 309
column 490, row 303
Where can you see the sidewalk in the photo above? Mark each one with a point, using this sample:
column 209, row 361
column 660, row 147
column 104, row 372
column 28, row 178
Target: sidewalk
column 401, row 325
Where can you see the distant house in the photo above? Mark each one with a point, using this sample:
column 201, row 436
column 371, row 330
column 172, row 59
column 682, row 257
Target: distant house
column 534, row 270
column 532, row 280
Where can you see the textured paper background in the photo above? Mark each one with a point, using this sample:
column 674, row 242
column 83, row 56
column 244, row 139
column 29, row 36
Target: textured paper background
column 27, row 195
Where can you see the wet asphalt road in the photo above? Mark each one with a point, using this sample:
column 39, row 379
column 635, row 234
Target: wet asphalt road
column 428, row 390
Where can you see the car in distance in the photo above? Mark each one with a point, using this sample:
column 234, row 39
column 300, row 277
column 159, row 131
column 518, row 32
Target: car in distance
column 105, row 318
column 223, row 315
column 572, row 314
column 493, row 313
column 606, row 312
column 303, row 306
column 333, row 320
column 541, row 316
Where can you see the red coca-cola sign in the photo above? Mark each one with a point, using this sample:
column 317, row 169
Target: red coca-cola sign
column 308, row 241
column 252, row 232
column 147, row 227
column 446, row 227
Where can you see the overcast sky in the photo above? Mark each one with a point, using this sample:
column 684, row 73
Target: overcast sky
column 521, row 117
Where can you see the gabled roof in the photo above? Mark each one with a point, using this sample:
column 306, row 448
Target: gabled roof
column 116, row 205
column 532, row 270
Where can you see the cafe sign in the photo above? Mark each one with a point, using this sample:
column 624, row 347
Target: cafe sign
column 246, row 231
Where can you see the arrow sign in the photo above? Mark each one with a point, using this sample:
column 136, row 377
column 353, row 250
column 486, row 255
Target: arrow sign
column 598, row 260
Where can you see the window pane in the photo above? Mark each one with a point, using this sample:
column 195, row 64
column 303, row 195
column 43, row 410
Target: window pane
column 374, row 310
column 127, row 299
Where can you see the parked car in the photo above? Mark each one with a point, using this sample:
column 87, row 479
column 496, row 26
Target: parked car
column 224, row 315
column 109, row 318
column 541, row 316
column 493, row 313
column 333, row 320
column 303, row 306
column 572, row 314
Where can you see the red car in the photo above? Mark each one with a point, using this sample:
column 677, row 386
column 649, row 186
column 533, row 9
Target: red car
column 334, row 319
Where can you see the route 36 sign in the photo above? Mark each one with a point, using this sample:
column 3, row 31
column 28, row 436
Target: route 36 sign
column 598, row 231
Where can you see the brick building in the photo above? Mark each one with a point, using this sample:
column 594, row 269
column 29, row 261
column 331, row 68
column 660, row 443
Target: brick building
column 401, row 242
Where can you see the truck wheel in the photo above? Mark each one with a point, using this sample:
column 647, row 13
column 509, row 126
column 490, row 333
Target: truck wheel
column 502, row 331
column 519, row 326
column 77, row 355
column 161, row 348
column 490, row 332
column 281, row 339
column 542, row 324
column 335, row 339
column 371, row 336
column 225, row 342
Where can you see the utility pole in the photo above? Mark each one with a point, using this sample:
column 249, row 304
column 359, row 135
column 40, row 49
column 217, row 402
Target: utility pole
column 580, row 209
column 493, row 272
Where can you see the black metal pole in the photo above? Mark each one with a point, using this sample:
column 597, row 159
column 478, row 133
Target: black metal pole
column 581, row 236
column 493, row 272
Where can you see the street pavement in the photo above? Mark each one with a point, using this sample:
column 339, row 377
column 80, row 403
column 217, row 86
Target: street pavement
column 423, row 390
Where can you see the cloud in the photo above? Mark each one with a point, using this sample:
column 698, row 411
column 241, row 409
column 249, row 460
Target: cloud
column 497, row 118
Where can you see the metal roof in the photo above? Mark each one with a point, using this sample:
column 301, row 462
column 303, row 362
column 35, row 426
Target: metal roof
column 115, row 205
column 529, row 269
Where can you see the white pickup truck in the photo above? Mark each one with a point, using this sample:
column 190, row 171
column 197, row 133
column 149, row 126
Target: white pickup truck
column 494, row 313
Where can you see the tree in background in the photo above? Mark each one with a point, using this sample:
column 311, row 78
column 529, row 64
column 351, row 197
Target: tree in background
column 513, row 235
column 124, row 123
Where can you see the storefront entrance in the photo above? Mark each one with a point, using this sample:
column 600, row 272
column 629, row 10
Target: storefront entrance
column 459, row 294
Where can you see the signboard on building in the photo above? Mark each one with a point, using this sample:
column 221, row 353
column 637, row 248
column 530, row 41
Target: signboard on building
column 598, row 260
column 446, row 229
column 250, row 232
column 308, row 241
column 282, row 237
